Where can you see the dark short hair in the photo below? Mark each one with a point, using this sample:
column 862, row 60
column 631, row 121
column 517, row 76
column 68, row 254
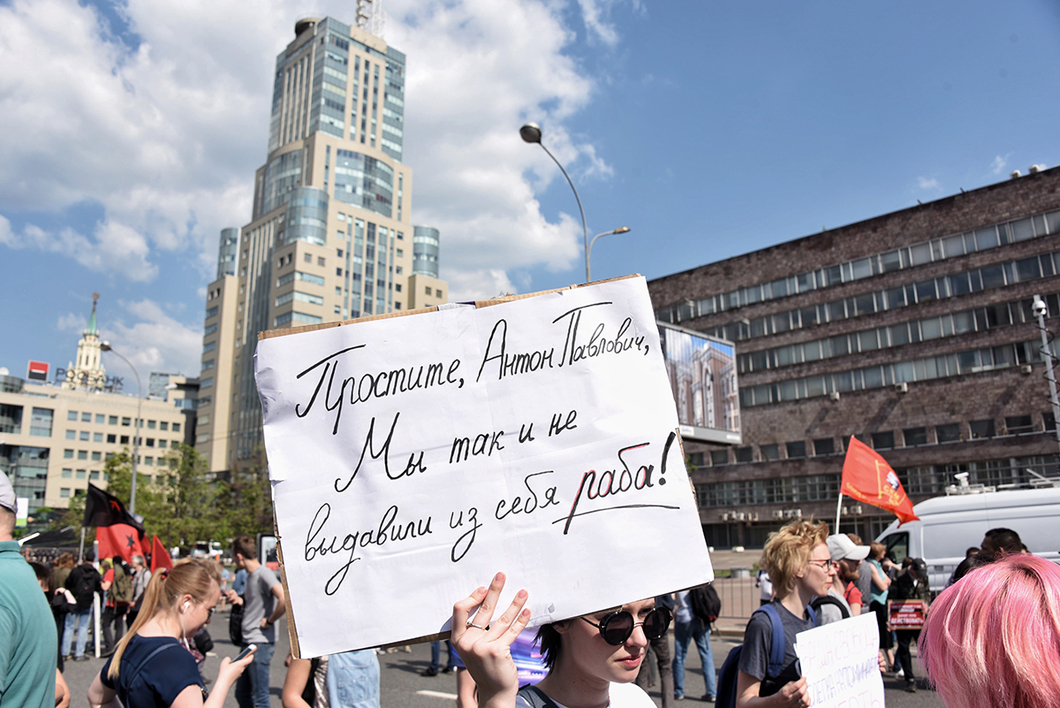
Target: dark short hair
column 1005, row 541
column 548, row 639
column 245, row 546
column 43, row 572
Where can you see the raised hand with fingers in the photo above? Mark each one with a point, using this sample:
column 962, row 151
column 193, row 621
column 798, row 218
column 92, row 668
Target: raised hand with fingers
column 485, row 645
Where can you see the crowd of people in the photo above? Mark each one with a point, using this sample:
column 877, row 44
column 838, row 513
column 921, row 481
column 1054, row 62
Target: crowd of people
column 991, row 638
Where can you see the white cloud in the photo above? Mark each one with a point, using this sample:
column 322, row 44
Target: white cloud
column 999, row 164
column 926, row 183
column 166, row 137
column 71, row 322
column 593, row 14
column 155, row 136
column 152, row 340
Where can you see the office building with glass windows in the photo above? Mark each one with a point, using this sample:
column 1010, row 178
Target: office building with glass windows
column 330, row 236
column 912, row 331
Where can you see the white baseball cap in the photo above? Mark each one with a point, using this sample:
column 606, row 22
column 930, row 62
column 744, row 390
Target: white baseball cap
column 840, row 547
column 7, row 494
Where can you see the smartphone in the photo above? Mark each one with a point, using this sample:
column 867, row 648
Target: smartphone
column 243, row 654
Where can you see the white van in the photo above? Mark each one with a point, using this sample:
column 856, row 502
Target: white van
column 950, row 525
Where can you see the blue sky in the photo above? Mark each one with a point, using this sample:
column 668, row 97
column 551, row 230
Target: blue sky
column 130, row 132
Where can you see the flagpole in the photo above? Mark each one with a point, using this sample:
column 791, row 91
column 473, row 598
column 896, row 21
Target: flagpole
column 838, row 508
column 81, row 550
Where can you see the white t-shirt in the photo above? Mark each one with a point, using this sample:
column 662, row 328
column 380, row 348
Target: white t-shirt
column 623, row 695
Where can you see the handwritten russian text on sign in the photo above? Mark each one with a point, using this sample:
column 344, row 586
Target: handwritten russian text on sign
column 907, row 614
column 413, row 457
column 839, row 661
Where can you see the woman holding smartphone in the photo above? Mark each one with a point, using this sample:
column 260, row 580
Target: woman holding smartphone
column 152, row 664
column 592, row 660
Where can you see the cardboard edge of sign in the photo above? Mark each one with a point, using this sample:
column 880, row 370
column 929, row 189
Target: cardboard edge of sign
column 478, row 304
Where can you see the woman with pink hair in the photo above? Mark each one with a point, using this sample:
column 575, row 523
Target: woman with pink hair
column 993, row 638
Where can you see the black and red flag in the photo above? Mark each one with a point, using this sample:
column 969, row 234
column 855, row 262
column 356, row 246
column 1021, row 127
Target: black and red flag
column 103, row 509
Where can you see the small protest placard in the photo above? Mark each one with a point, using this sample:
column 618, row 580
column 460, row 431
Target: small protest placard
column 839, row 661
column 413, row 457
column 906, row 614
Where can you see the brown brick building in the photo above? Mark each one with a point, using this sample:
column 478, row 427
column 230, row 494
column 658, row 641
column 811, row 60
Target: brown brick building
column 912, row 331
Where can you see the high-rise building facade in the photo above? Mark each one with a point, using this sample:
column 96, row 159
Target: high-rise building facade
column 330, row 237
column 913, row 331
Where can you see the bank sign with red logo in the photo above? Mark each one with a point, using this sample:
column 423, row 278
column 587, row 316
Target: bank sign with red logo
column 37, row 371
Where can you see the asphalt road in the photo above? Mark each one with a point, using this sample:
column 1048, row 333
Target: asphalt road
column 402, row 686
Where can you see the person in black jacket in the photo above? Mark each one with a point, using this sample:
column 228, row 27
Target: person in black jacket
column 912, row 584
column 60, row 600
column 83, row 582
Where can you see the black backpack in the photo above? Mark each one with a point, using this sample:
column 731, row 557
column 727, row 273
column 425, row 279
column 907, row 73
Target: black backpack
column 705, row 603
column 820, row 600
column 235, row 624
column 84, row 585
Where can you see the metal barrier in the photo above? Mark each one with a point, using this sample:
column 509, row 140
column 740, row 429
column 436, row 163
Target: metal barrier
column 739, row 596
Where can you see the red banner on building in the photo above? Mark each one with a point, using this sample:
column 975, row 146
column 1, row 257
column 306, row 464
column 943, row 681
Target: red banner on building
column 37, row 371
column 868, row 478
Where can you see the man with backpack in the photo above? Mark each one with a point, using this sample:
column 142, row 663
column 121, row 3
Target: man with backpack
column 696, row 610
column 117, row 582
column 83, row 583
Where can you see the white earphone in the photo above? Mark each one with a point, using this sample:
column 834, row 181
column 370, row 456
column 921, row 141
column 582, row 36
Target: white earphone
column 186, row 603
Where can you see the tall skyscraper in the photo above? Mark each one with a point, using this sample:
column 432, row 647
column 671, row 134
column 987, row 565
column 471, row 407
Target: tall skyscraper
column 330, row 234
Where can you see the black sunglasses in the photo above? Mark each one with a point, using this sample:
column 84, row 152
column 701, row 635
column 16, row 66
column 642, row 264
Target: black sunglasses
column 617, row 627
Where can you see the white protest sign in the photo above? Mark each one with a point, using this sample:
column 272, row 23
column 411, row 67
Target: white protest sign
column 414, row 457
column 839, row 661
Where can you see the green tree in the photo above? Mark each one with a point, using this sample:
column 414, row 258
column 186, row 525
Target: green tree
column 246, row 499
column 189, row 494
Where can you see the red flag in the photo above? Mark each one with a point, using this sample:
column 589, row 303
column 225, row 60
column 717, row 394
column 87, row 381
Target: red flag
column 159, row 555
column 868, row 478
column 119, row 540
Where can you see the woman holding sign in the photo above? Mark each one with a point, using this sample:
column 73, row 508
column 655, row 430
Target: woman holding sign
column 592, row 660
column 800, row 566
column 152, row 664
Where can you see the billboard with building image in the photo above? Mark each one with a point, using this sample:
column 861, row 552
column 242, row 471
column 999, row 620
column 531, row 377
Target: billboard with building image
column 702, row 373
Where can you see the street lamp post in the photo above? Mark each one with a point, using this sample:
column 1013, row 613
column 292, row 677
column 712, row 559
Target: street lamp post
column 531, row 133
column 105, row 346
column 1040, row 311
column 619, row 230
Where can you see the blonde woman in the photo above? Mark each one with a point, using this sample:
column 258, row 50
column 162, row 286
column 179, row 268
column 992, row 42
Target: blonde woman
column 152, row 664
column 800, row 566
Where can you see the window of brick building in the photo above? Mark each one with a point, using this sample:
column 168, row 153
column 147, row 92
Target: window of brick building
column 1016, row 424
column 769, row 452
column 915, row 436
column 743, row 454
column 982, row 428
column 883, row 441
column 950, row 432
column 796, row 449
column 824, row 446
column 719, row 457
